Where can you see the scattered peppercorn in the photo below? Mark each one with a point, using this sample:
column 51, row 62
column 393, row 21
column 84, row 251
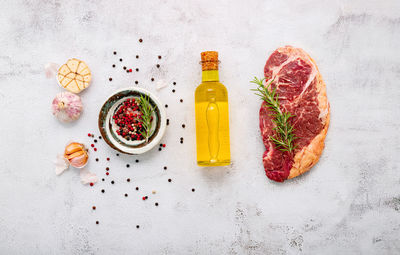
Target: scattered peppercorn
column 112, row 182
column 128, row 180
column 117, row 154
column 137, row 56
column 181, row 141
column 159, row 149
column 97, row 222
column 165, row 168
column 137, row 69
column 94, row 207
column 115, row 53
column 158, row 66
column 92, row 135
column 159, row 57
column 102, row 179
column 140, row 40
column 156, row 204
column 113, row 66
column 110, row 79
column 137, row 188
column 146, row 197
column 127, row 165
column 136, row 82
column 97, row 159
column 183, row 126
column 120, row 59
column 173, row 91
column 152, row 79
column 137, row 160
column 102, row 191
column 100, row 137
column 169, row 180
column 107, row 168
column 166, row 106
column 126, row 195
column 174, row 83
column 137, row 226
column 181, row 100
column 124, row 67
column 95, row 140
column 193, row 190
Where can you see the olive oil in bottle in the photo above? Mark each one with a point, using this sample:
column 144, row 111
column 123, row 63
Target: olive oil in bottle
column 212, row 115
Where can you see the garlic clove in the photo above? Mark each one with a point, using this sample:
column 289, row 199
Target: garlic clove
column 73, row 147
column 75, row 154
column 79, row 161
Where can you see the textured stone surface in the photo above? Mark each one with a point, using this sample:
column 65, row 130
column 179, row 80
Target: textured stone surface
column 349, row 203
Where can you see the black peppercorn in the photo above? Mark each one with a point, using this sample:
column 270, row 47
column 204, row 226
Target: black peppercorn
column 128, row 180
column 137, row 160
column 110, row 79
column 137, row 56
column 95, row 140
column 165, row 168
column 117, row 154
column 113, row 66
column 97, row 159
column 137, row 69
column 136, row 82
column 120, row 59
column 173, row 91
column 127, row 165
column 192, row 190
column 183, row 126
column 115, row 53
column 166, row 106
column 102, row 179
column 156, row 204
column 169, row 180
column 124, row 67
column 159, row 57
column 97, row 222
column 152, row 79
column 126, row 195
column 159, row 149
column 137, row 188
column 181, row 100
column 112, row 182
column 174, row 83
column 137, row 226
column 107, row 168
column 140, row 40
column 100, row 137
column 102, row 191
column 158, row 66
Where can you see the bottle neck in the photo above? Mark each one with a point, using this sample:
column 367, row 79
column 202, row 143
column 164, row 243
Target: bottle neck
column 210, row 75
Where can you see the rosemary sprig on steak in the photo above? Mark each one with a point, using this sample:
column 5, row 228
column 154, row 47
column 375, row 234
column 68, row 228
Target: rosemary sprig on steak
column 147, row 110
column 284, row 137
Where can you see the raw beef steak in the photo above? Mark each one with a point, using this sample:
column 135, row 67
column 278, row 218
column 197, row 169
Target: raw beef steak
column 301, row 92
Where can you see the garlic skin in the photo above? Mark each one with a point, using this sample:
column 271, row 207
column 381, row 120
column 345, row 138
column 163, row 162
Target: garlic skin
column 76, row 154
column 67, row 106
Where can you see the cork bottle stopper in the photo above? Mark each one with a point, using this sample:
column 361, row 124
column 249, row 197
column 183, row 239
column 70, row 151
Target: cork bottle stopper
column 209, row 60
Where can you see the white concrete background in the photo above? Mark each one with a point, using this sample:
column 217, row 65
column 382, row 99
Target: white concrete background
column 348, row 204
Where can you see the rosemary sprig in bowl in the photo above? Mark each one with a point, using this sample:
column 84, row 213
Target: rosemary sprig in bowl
column 147, row 111
column 284, row 137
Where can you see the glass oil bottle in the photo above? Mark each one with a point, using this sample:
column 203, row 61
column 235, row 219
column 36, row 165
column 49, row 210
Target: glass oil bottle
column 212, row 115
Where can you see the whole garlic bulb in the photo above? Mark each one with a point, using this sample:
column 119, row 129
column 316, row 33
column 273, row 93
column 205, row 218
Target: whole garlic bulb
column 67, row 106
